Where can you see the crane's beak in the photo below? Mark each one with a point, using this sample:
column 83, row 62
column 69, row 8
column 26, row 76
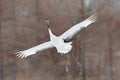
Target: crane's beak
column 47, row 22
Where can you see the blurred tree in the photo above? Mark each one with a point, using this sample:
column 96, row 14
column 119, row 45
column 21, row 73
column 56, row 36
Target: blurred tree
column 14, row 61
column 110, row 52
column 1, row 48
column 81, row 46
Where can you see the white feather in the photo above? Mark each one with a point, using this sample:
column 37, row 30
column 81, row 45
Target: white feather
column 35, row 49
column 76, row 28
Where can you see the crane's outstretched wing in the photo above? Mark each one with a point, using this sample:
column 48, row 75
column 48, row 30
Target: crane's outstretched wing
column 73, row 31
column 33, row 50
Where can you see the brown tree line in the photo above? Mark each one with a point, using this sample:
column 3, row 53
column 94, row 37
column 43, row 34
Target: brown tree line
column 1, row 59
column 95, row 54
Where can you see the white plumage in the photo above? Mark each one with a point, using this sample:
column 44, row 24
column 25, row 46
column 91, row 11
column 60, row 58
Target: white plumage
column 62, row 43
column 35, row 49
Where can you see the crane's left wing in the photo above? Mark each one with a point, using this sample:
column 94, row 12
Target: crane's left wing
column 33, row 50
column 73, row 31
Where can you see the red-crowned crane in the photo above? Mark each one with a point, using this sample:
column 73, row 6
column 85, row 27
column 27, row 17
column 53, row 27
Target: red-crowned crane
column 62, row 43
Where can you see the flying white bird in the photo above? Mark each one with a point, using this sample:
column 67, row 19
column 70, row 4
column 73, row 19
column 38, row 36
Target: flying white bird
column 62, row 43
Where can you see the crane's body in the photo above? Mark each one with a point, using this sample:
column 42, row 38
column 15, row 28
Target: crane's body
column 61, row 46
column 58, row 42
column 62, row 43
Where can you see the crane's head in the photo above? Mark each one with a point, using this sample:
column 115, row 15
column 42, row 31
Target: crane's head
column 47, row 22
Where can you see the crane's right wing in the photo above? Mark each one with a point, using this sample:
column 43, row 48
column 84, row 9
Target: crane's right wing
column 33, row 50
column 74, row 30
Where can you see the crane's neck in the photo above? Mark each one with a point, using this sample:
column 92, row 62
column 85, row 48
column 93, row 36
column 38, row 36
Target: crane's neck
column 50, row 32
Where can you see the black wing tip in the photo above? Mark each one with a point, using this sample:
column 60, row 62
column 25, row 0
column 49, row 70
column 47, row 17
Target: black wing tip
column 67, row 40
